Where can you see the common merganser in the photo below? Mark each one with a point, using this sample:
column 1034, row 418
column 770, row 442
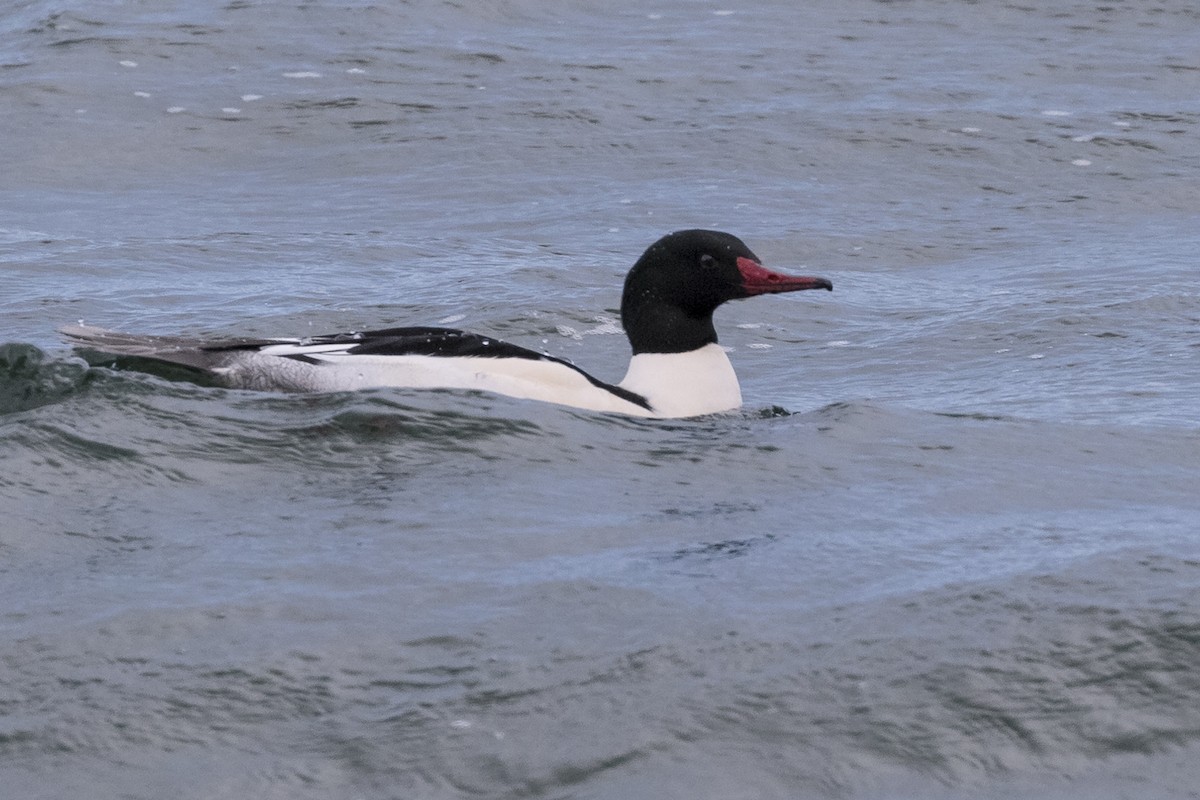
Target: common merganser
column 677, row 368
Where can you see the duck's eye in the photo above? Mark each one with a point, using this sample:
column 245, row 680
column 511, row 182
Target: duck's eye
column 707, row 261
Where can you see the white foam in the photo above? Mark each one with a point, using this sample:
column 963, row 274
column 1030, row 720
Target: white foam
column 608, row 325
column 302, row 74
column 1082, row 162
column 20, row 235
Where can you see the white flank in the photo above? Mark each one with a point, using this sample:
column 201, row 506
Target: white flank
column 675, row 384
column 532, row 379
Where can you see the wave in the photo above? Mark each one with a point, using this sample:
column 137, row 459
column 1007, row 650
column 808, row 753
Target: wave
column 28, row 379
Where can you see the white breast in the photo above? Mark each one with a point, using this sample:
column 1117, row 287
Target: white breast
column 685, row 384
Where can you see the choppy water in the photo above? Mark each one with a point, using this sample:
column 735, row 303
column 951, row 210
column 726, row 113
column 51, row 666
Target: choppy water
column 950, row 548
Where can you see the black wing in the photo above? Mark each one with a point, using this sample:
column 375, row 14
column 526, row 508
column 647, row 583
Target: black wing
column 445, row 342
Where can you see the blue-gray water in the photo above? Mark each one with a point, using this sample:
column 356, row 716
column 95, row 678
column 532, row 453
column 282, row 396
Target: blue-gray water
column 949, row 549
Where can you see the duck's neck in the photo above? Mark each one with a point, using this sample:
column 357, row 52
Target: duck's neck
column 700, row 381
column 659, row 328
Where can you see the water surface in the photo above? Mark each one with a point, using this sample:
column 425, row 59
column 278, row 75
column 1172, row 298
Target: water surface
column 948, row 548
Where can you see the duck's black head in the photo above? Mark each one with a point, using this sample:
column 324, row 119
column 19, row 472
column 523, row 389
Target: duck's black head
column 673, row 289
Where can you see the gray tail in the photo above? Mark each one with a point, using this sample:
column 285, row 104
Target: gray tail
column 179, row 350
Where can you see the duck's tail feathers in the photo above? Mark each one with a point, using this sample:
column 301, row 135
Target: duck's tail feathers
column 181, row 350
